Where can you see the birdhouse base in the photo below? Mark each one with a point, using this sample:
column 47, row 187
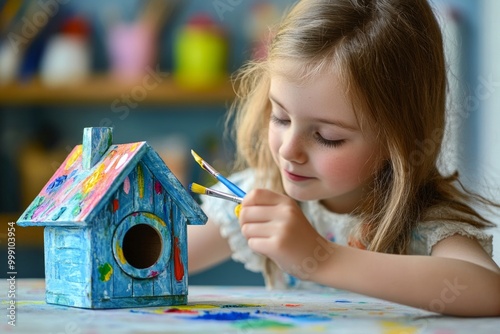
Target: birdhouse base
column 130, row 302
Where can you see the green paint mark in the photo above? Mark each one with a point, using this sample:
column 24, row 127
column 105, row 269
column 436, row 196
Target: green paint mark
column 105, row 272
column 31, row 210
column 59, row 213
column 261, row 323
column 76, row 211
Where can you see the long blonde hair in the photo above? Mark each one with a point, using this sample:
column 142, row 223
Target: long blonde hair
column 389, row 55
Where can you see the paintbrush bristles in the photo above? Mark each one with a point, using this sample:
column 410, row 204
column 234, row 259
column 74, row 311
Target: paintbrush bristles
column 203, row 164
column 196, row 157
column 197, row 188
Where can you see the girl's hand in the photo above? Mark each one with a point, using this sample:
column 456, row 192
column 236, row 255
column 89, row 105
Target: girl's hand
column 275, row 226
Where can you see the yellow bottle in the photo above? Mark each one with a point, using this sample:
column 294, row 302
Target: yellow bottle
column 200, row 55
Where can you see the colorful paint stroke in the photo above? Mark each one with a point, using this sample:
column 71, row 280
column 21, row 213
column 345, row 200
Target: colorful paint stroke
column 78, row 190
column 222, row 309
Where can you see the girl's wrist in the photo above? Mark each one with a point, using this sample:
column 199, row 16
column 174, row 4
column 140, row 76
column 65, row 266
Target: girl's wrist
column 320, row 266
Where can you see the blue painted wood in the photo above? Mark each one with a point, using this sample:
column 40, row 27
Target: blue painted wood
column 123, row 201
column 103, row 266
column 96, row 142
column 179, row 282
column 163, row 285
column 142, row 288
column 67, row 266
column 122, row 283
column 174, row 188
column 141, row 302
column 144, row 191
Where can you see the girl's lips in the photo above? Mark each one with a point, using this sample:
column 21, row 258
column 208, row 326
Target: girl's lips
column 295, row 177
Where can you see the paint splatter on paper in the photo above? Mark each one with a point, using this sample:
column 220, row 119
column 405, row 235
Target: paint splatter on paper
column 243, row 310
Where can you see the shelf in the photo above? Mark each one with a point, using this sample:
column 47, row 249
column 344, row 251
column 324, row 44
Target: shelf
column 104, row 89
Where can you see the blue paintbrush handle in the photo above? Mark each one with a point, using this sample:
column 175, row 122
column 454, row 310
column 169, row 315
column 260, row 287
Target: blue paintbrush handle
column 231, row 186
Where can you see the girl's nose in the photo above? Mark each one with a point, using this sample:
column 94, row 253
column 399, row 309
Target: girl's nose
column 292, row 148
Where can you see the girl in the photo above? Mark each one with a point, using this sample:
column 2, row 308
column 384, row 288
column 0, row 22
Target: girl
column 330, row 130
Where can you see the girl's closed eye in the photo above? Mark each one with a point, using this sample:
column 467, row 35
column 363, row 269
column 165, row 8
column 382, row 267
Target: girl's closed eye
column 279, row 121
column 328, row 142
column 317, row 136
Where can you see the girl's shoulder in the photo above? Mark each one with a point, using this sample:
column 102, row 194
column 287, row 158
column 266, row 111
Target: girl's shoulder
column 441, row 223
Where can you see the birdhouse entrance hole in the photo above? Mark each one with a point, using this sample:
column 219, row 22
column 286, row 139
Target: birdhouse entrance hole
column 142, row 246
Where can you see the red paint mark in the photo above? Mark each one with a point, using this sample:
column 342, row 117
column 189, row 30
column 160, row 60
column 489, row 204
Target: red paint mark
column 158, row 187
column 178, row 266
column 116, row 205
column 293, row 305
column 153, row 273
column 176, row 310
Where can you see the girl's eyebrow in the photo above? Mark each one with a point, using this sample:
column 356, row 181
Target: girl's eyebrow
column 337, row 123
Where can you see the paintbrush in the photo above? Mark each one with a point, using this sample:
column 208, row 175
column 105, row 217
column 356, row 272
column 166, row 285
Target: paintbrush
column 231, row 186
column 199, row 189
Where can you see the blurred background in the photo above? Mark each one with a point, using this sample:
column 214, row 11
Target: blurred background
column 159, row 71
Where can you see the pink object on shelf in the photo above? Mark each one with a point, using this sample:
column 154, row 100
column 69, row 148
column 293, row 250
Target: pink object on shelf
column 131, row 50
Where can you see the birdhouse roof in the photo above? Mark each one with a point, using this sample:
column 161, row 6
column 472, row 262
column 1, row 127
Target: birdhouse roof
column 75, row 194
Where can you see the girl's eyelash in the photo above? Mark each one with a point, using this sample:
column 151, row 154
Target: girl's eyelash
column 328, row 143
column 317, row 136
column 279, row 121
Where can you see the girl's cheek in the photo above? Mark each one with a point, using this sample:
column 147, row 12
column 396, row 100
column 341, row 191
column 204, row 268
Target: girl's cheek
column 274, row 139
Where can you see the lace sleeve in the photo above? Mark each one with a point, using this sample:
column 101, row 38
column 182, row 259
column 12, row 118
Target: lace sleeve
column 426, row 235
column 221, row 212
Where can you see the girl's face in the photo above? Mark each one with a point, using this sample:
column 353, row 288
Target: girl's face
column 317, row 143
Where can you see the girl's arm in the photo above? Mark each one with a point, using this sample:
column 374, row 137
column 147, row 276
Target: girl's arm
column 443, row 283
column 206, row 247
column 458, row 279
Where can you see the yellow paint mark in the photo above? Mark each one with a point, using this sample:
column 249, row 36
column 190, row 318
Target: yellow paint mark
column 108, row 275
column 140, row 181
column 186, row 308
column 92, row 180
column 154, row 217
column 71, row 160
column 24, row 302
column 195, row 306
column 119, row 252
column 134, row 146
column 390, row 327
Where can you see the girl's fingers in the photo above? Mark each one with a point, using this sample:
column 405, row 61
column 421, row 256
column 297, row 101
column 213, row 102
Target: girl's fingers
column 262, row 197
column 260, row 245
column 256, row 230
column 255, row 214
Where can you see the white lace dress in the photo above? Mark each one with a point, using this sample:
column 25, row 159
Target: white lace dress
column 332, row 226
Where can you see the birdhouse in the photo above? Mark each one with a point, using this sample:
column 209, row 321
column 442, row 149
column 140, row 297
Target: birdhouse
column 115, row 223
